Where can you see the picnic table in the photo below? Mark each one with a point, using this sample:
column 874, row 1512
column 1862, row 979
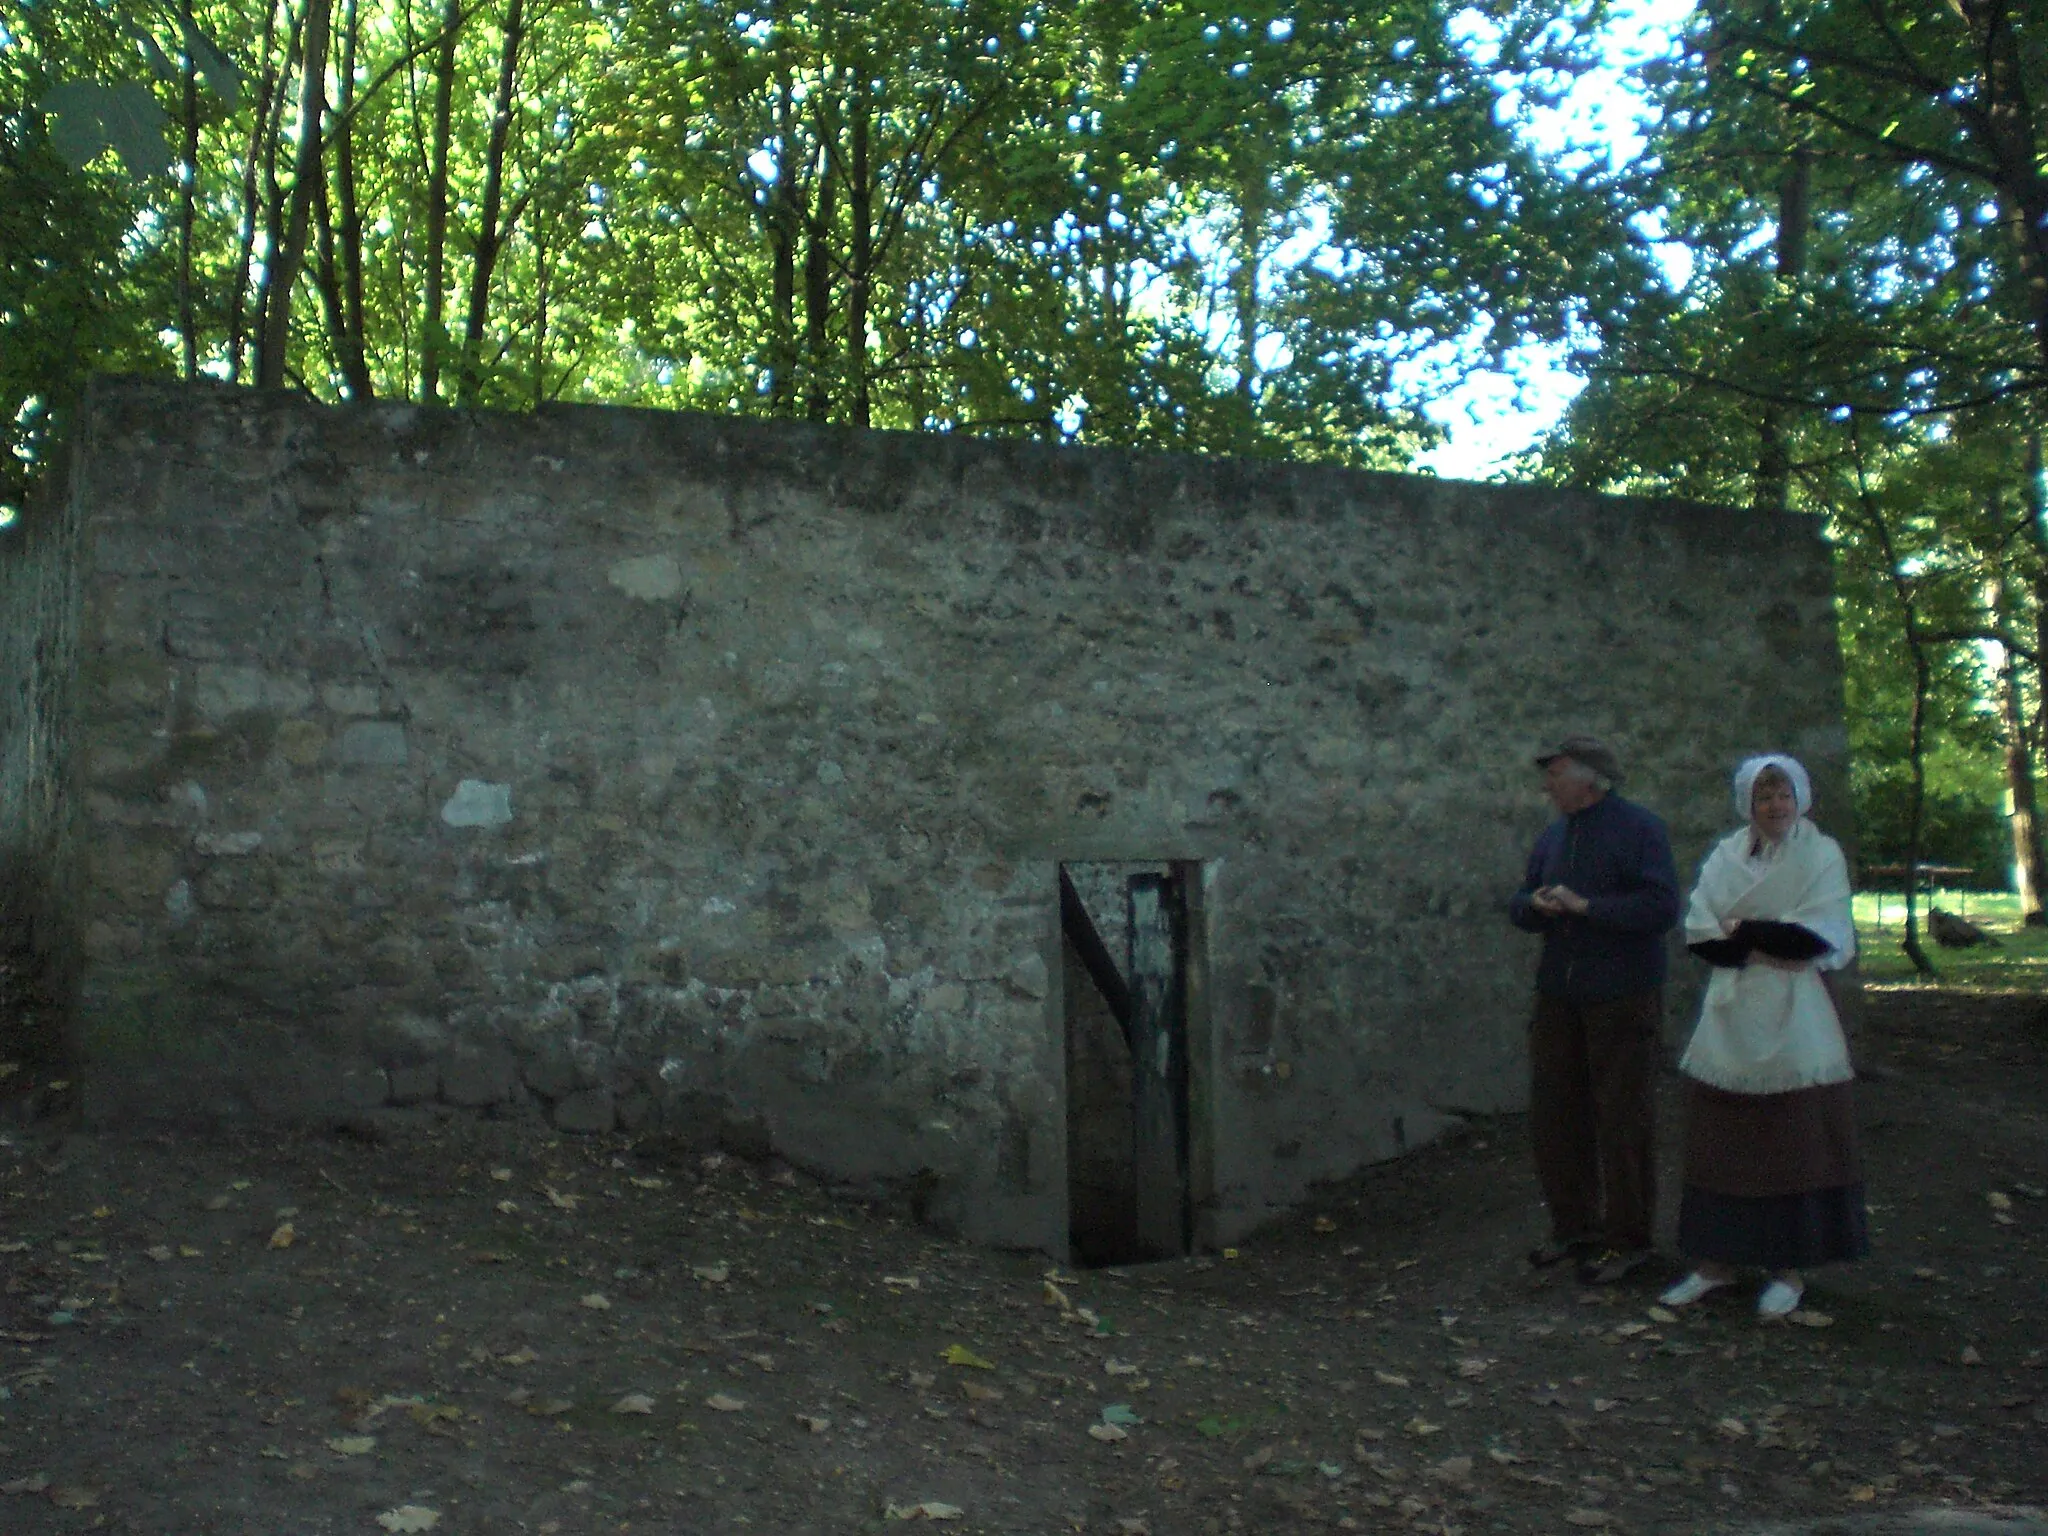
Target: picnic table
column 1932, row 877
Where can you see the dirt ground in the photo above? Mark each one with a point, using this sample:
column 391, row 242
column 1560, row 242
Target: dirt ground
column 470, row 1326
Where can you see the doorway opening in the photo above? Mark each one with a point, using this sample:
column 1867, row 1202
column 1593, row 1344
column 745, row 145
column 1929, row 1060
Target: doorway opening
column 1127, row 941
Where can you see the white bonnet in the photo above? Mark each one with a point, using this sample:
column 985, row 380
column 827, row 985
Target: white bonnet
column 1791, row 767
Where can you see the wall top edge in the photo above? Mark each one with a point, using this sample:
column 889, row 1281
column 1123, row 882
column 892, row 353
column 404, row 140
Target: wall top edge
column 1040, row 466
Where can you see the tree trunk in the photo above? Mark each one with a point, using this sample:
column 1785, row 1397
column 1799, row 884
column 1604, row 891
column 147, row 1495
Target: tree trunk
column 262, row 145
column 433, row 333
column 1916, row 647
column 188, row 194
column 540, row 324
column 818, row 290
column 2030, row 874
column 1773, row 486
column 355, row 363
column 490, row 237
column 1244, row 284
column 784, row 222
column 860, row 273
column 1916, row 816
column 306, row 168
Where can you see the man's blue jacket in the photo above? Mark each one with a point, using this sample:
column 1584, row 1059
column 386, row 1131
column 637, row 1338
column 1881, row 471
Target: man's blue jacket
column 1618, row 856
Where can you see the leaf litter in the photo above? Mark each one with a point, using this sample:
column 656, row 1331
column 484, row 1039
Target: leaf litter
column 1452, row 1400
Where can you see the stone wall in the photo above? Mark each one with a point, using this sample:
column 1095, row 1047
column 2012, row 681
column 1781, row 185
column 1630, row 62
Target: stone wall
column 677, row 772
column 38, row 660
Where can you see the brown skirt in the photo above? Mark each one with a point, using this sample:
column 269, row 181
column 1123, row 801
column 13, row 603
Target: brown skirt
column 1771, row 1143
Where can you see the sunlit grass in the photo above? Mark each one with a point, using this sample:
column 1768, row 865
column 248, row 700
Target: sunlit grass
column 2019, row 963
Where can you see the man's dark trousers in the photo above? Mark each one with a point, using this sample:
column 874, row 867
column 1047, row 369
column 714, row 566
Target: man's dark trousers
column 1591, row 1116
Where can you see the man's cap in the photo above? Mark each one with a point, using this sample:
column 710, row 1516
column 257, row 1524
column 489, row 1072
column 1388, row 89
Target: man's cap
column 1590, row 750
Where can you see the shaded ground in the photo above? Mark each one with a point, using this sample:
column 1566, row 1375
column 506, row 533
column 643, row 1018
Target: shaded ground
column 519, row 1332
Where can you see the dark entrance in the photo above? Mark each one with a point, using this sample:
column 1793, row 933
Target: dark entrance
column 1126, row 934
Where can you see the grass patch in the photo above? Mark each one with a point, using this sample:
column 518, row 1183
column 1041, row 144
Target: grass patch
column 2018, row 963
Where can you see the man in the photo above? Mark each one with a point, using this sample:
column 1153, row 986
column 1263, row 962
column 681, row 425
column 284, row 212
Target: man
column 1602, row 890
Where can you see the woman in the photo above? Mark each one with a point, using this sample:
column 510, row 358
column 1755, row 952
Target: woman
column 1773, row 1179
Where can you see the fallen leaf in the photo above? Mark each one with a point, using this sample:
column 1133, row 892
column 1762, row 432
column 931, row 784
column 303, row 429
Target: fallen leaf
column 502, row 1175
column 1970, row 1356
column 597, row 1301
column 1662, row 1315
column 74, row 1496
column 1998, row 1200
column 554, row 1407
column 1134, row 1525
column 1452, row 1469
column 1389, row 1379
column 161, row 1252
column 560, row 1201
column 1630, row 1330
column 36, row 1482
column 930, row 1509
column 409, row 1517
column 284, row 1235
column 1606, row 1404
column 353, row 1445
column 649, row 1182
column 1588, row 1517
column 960, row 1354
column 1110, row 1433
column 1806, row 1318
column 634, row 1402
column 813, row 1424
column 1055, row 1297
column 508, row 1207
column 712, row 1274
column 1473, row 1368
column 1732, row 1427
column 976, row 1392
column 1118, row 1368
column 1504, row 1458
column 523, row 1355
column 1120, row 1413
column 1862, row 1495
column 718, row 1402
column 901, row 1282
column 1324, row 1224
column 1421, row 1426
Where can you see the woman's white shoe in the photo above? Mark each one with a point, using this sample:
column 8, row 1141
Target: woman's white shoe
column 1779, row 1299
column 1690, row 1290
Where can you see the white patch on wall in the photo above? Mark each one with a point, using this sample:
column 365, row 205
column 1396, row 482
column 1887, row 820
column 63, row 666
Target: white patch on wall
column 650, row 578
column 477, row 804
column 716, row 906
column 178, row 901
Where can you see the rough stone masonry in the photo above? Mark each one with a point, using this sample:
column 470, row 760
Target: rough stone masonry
column 713, row 776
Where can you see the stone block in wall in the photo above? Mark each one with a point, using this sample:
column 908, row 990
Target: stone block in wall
column 415, row 1084
column 589, row 1112
column 223, row 691
column 476, row 1078
column 372, row 744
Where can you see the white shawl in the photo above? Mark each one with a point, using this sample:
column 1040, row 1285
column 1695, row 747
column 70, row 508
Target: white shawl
column 1764, row 1029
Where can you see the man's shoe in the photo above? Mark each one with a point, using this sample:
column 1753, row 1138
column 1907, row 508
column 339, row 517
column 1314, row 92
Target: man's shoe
column 1612, row 1265
column 1556, row 1250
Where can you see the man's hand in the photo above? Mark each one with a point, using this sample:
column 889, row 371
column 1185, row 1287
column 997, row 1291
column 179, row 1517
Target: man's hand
column 1558, row 901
